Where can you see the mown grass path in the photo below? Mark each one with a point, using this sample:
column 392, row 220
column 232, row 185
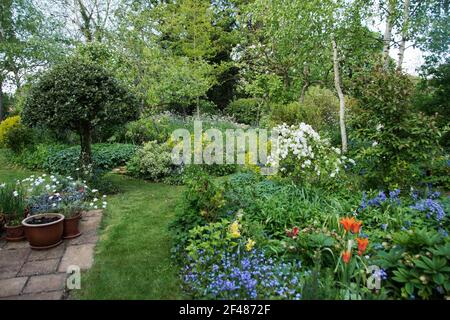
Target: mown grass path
column 133, row 254
column 132, row 259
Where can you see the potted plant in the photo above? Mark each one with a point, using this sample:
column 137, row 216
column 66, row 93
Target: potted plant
column 44, row 231
column 72, row 212
column 12, row 208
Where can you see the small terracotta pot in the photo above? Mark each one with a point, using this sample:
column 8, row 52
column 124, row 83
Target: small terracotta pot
column 14, row 233
column 71, row 227
column 45, row 235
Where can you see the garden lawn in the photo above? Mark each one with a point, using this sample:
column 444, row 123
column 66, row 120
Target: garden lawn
column 132, row 258
column 133, row 255
column 10, row 173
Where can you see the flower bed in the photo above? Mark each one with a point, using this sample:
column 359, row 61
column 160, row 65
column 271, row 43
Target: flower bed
column 254, row 238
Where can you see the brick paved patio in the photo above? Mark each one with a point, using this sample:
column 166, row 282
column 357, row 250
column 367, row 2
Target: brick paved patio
column 41, row 275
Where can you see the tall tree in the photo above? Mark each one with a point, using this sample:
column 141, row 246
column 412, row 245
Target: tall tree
column 29, row 41
column 301, row 42
column 424, row 24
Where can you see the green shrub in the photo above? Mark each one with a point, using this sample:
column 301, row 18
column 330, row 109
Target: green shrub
column 79, row 95
column 207, row 107
column 36, row 158
column 391, row 138
column 154, row 128
column 152, row 162
column 6, row 125
column 418, row 264
column 319, row 108
column 105, row 157
column 19, row 138
column 202, row 202
column 285, row 113
column 246, row 111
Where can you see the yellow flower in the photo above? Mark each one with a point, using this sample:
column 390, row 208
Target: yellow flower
column 250, row 244
column 234, row 230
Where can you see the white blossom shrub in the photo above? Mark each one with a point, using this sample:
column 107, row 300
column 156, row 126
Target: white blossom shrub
column 306, row 157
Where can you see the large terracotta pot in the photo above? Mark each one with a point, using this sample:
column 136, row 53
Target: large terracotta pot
column 14, row 233
column 44, row 235
column 71, row 227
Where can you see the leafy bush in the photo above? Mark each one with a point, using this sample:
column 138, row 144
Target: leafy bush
column 7, row 125
column 79, row 95
column 418, row 264
column 155, row 128
column 19, row 138
column 246, row 111
column 319, row 108
column 152, row 162
column 105, row 157
column 285, row 113
column 393, row 140
column 202, row 202
column 36, row 157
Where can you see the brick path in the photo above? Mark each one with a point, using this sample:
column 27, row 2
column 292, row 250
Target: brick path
column 41, row 275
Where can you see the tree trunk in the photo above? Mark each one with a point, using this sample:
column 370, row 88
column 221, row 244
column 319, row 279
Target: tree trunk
column 85, row 141
column 337, row 84
column 1, row 101
column 304, row 88
column 388, row 34
column 306, row 85
column 401, row 53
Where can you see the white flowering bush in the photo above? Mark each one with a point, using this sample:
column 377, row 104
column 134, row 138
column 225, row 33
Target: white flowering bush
column 306, row 157
column 50, row 193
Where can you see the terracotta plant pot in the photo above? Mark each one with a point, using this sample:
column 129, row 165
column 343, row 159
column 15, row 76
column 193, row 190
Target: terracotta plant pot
column 71, row 227
column 44, row 235
column 14, row 233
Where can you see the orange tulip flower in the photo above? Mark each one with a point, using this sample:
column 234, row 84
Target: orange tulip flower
column 346, row 255
column 347, row 223
column 362, row 245
column 356, row 226
column 351, row 224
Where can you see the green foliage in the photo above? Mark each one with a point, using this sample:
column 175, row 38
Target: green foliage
column 210, row 238
column 319, row 108
column 78, row 95
column 279, row 206
column 105, row 157
column 154, row 128
column 392, row 138
column 19, row 138
column 12, row 203
column 285, row 113
column 246, row 111
column 202, row 203
column 152, row 162
column 433, row 98
column 37, row 157
column 419, row 264
column 7, row 125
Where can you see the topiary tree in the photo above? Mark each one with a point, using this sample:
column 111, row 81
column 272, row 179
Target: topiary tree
column 79, row 95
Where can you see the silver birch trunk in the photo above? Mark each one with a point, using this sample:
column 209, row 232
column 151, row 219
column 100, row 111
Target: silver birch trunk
column 402, row 48
column 388, row 34
column 337, row 84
